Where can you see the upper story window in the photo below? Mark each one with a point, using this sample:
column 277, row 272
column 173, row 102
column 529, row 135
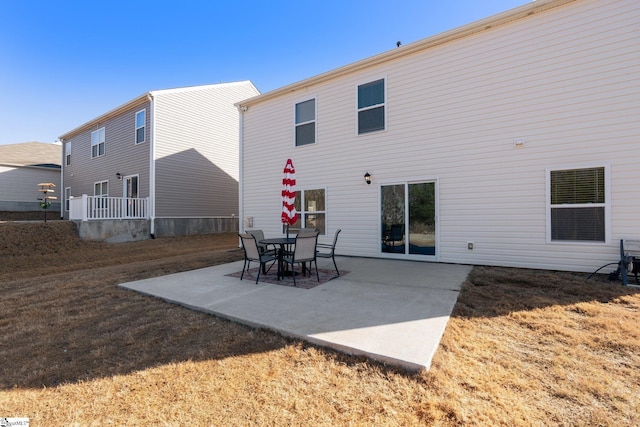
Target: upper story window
column 141, row 120
column 67, row 153
column 371, row 103
column 306, row 122
column 97, row 143
column 577, row 203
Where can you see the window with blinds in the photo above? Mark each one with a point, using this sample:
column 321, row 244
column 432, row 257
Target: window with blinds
column 578, row 202
column 371, row 104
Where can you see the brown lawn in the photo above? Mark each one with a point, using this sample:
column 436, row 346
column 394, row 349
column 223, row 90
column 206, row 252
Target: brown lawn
column 523, row 348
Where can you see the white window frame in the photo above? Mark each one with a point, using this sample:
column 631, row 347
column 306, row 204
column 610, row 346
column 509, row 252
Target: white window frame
column 102, row 184
column 97, row 141
column 371, row 107
column 67, row 153
column 67, row 196
column 143, row 127
column 314, row 121
column 606, row 204
column 303, row 214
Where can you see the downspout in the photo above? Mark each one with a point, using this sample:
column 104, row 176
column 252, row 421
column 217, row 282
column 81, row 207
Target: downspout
column 241, row 109
column 152, row 167
column 62, row 199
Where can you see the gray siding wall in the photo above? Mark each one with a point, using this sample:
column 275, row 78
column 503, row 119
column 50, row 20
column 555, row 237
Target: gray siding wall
column 122, row 155
column 196, row 150
column 19, row 187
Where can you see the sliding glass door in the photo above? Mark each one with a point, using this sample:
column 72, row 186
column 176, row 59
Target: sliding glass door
column 408, row 218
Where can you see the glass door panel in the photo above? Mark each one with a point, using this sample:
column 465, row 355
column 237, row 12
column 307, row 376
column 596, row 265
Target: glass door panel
column 392, row 202
column 422, row 218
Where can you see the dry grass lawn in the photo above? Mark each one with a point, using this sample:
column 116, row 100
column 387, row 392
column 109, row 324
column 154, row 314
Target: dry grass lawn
column 523, row 348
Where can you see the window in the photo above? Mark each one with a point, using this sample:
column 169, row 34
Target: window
column 141, row 117
column 577, row 199
column 97, row 143
column 371, row 115
column 101, row 189
column 313, row 215
column 67, row 196
column 67, row 153
column 306, row 122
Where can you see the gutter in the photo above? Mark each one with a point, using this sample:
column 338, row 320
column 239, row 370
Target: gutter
column 241, row 111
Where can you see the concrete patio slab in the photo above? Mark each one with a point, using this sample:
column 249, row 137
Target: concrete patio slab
column 393, row 311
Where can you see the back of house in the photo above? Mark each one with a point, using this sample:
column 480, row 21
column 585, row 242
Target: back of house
column 167, row 160
column 510, row 141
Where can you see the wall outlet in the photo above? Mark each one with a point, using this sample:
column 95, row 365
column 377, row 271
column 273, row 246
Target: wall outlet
column 470, row 246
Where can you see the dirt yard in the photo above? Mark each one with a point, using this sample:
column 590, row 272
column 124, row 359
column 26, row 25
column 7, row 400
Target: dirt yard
column 522, row 348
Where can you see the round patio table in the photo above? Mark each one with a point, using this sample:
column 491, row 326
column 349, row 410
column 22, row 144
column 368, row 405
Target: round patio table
column 282, row 242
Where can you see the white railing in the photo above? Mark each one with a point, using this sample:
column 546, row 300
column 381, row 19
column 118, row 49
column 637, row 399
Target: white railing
column 88, row 208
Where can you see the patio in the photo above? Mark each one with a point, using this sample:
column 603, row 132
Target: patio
column 389, row 310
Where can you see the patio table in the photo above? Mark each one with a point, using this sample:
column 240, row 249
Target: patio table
column 282, row 242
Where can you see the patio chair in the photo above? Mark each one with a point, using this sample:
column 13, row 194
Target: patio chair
column 307, row 231
column 304, row 251
column 252, row 253
column 331, row 248
column 396, row 234
column 262, row 247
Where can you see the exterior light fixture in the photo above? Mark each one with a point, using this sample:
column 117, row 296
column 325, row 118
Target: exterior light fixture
column 118, row 175
column 367, row 178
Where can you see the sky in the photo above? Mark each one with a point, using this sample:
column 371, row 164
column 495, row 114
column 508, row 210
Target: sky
column 65, row 62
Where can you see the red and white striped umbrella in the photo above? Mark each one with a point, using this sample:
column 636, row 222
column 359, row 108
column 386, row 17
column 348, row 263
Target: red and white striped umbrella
column 289, row 214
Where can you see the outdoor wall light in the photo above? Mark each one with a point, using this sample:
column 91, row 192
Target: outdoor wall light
column 118, row 175
column 367, row 178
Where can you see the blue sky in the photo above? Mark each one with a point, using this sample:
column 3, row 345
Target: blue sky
column 64, row 62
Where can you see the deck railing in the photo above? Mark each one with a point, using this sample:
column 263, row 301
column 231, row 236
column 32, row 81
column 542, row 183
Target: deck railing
column 87, row 208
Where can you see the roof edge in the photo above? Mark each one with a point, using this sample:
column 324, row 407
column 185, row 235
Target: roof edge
column 484, row 24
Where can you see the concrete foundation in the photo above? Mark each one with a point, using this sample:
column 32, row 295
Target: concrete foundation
column 122, row 230
column 172, row 227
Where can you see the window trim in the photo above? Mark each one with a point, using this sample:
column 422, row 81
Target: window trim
column 67, row 197
column 314, row 121
column 67, row 153
column 103, row 142
column 105, row 181
column 302, row 213
column 606, row 204
column 144, row 126
column 370, row 107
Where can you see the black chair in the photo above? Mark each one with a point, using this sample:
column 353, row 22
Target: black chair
column 252, row 253
column 331, row 248
column 396, row 234
column 304, row 251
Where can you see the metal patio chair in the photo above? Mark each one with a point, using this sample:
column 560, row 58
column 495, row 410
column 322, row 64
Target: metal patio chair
column 304, row 251
column 331, row 250
column 252, row 253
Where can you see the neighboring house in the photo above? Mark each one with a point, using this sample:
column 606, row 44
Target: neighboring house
column 164, row 163
column 24, row 166
column 511, row 141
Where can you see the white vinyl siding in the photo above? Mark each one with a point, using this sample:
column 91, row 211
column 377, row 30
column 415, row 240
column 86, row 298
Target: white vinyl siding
column 567, row 80
column 196, row 150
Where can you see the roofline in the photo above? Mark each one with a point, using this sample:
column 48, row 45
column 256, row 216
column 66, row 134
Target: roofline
column 54, row 167
column 147, row 96
column 412, row 48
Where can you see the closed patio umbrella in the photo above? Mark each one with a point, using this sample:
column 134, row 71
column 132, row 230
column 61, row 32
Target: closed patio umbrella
column 289, row 214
